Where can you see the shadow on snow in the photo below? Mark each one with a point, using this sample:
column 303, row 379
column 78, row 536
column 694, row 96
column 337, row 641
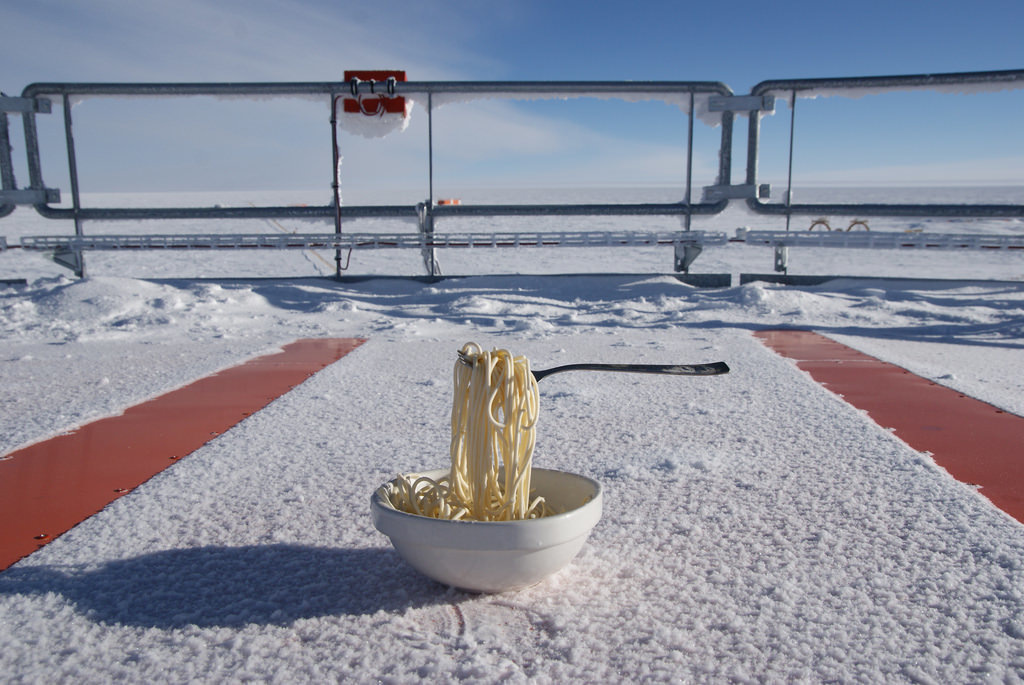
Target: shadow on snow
column 233, row 586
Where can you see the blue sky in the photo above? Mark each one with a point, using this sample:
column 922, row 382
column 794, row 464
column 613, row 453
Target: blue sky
column 200, row 143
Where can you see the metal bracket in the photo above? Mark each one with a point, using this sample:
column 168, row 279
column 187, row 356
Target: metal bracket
column 745, row 191
column 25, row 105
column 741, row 103
column 70, row 259
column 29, row 196
column 686, row 253
column 781, row 258
column 426, row 220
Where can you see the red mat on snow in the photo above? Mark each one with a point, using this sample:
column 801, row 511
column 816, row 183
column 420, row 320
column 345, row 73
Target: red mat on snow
column 49, row 487
column 975, row 442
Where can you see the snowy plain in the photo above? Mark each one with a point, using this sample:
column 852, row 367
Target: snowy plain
column 756, row 527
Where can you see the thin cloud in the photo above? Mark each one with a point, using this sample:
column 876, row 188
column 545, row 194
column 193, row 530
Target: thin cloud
column 259, row 40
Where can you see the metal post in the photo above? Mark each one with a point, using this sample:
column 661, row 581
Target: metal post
column 72, row 165
column 35, row 167
column 725, row 155
column 426, row 210
column 7, row 181
column 753, row 145
column 336, row 180
column 430, row 148
column 75, row 258
column 685, row 254
column 689, row 163
column 789, row 175
column 426, row 223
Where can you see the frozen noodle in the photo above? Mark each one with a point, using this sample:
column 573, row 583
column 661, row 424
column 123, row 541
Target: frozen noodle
column 494, row 419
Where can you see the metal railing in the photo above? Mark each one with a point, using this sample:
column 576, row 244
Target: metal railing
column 370, row 241
column 883, row 240
column 708, row 96
column 710, row 99
column 792, row 90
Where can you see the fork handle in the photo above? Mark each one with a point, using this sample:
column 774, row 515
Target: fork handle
column 713, row 369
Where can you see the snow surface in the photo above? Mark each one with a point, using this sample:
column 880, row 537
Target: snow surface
column 756, row 527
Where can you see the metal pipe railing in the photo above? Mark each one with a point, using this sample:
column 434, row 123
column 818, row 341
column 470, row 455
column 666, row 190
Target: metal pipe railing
column 857, row 86
column 713, row 102
column 7, row 181
column 432, row 92
column 371, row 241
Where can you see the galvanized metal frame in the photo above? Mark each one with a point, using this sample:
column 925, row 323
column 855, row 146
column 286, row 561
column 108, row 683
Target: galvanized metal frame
column 68, row 251
column 781, row 241
column 884, row 240
column 7, row 183
column 331, row 90
column 371, row 241
column 792, row 89
column 10, row 194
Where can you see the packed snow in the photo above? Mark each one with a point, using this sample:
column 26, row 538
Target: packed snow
column 756, row 527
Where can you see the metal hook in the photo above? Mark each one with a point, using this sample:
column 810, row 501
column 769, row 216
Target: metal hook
column 378, row 107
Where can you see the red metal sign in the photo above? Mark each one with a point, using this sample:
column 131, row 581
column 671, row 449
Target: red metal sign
column 381, row 101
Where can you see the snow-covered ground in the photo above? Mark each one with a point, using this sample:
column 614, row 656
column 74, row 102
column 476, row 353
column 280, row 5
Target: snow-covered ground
column 756, row 527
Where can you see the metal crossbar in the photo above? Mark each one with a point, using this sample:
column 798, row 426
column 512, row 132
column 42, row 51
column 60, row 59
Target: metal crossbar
column 377, row 241
column 883, row 240
column 204, row 241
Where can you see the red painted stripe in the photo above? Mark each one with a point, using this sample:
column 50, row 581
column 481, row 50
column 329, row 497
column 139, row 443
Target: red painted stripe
column 49, row 487
column 974, row 441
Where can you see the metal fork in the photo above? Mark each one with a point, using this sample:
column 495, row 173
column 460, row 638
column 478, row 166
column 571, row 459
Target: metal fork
column 712, row 369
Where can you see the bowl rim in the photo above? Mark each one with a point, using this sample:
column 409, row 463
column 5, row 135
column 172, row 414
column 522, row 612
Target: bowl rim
column 490, row 535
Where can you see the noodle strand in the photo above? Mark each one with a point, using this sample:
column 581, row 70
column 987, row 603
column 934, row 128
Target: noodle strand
column 495, row 407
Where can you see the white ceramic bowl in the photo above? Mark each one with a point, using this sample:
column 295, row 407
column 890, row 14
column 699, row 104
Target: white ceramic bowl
column 495, row 556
